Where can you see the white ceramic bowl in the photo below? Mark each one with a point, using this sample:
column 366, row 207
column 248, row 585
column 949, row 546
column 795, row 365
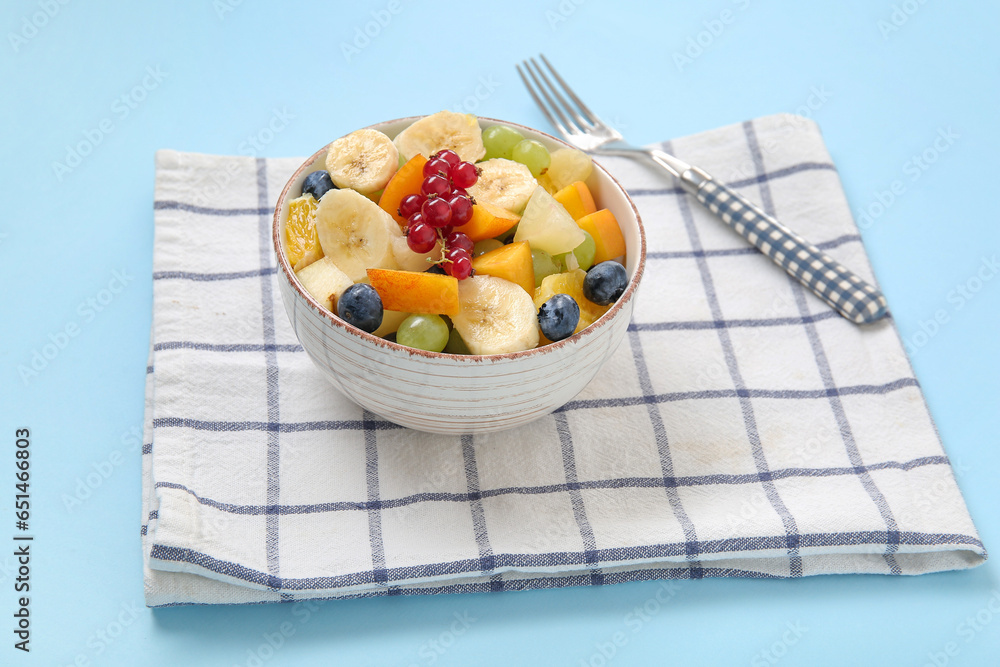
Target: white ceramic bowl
column 447, row 393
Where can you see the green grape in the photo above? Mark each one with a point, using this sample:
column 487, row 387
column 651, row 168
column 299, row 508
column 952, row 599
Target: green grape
column 485, row 246
column 424, row 332
column 544, row 265
column 585, row 251
column 584, row 254
column 402, row 161
column 532, row 155
column 560, row 261
column 455, row 344
column 499, row 140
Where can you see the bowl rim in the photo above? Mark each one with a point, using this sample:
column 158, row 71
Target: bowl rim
column 602, row 321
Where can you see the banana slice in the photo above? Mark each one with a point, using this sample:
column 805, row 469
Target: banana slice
column 445, row 129
column 355, row 233
column 409, row 260
column 495, row 316
column 504, row 183
column 325, row 282
column 364, row 161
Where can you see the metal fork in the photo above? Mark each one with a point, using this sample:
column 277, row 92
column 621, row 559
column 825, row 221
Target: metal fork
column 841, row 288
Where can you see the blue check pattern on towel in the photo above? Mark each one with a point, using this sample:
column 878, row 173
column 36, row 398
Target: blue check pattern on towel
column 743, row 429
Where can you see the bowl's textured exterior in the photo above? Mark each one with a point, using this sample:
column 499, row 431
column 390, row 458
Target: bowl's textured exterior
column 454, row 394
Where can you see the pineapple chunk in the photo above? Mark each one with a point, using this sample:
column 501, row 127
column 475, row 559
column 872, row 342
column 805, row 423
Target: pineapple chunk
column 325, row 282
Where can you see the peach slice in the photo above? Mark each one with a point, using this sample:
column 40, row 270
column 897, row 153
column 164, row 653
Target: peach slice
column 577, row 200
column 406, row 182
column 487, row 222
column 608, row 238
column 413, row 292
column 511, row 262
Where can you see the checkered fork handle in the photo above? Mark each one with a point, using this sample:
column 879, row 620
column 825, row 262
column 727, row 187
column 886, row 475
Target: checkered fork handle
column 847, row 293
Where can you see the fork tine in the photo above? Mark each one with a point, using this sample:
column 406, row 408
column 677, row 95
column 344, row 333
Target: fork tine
column 541, row 105
column 566, row 123
column 592, row 118
column 583, row 122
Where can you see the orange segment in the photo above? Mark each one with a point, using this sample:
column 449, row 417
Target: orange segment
column 570, row 283
column 488, row 222
column 300, row 230
column 511, row 262
column 413, row 292
column 608, row 238
column 406, row 181
column 576, row 199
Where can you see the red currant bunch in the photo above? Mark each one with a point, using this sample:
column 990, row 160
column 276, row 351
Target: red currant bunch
column 442, row 204
column 458, row 255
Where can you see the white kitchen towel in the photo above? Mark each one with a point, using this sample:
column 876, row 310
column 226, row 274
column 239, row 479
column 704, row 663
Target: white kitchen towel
column 743, row 429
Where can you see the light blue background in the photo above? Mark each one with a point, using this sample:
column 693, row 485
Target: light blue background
column 888, row 97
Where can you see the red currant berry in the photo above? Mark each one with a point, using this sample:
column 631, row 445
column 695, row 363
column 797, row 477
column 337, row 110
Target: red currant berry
column 421, row 238
column 435, row 185
column 458, row 191
column 459, row 240
column 460, row 267
column 436, row 166
column 461, row 209
column 410, row 205
column 444, row 231
column 453, row 254
column 450, row 156
column 416, row 219
column 436, row 212
column 464, row 175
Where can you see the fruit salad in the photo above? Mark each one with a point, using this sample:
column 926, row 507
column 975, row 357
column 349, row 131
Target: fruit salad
column 452, row 238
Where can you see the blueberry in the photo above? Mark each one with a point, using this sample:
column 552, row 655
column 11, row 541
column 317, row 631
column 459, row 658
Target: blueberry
column 605, row 283
column 317, row 184
column 361, row 306
column 558, row 317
